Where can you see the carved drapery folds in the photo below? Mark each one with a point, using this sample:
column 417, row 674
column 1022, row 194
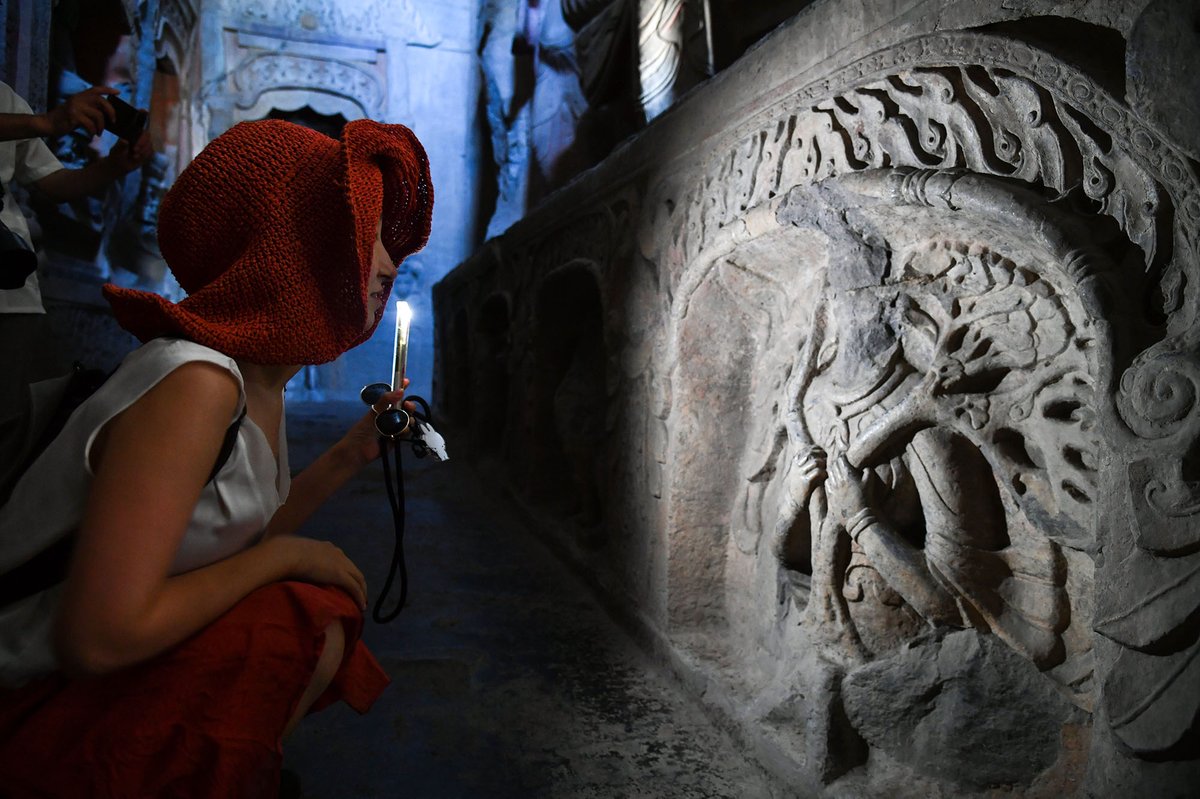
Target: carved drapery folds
column 660, row 50
column 636, row 47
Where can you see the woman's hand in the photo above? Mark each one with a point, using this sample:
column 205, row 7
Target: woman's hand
column 332, row 469
column 361, row 442
column 320, row 563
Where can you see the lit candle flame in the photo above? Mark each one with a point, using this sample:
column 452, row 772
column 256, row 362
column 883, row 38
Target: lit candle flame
column 400, row 347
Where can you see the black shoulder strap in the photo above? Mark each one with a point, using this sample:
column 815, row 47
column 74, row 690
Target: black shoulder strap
column 49, row 567
column 227, row 446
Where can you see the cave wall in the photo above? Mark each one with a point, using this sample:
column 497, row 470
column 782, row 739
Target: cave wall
column 863, row 383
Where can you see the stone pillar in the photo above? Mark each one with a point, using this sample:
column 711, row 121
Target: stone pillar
column 395, row 38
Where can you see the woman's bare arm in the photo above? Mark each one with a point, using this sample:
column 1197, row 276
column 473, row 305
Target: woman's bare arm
column 119, row 606
column 329, row 472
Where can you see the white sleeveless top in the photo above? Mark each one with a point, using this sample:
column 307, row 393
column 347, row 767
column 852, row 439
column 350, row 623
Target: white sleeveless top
column 49, row 500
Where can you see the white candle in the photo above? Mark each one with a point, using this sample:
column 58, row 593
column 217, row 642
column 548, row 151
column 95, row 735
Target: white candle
column 400, row 347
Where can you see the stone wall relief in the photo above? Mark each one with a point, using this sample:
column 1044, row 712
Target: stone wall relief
column 717, row 380
column 932, row 466
column 951, row 410
column 454, row 347
column 996, row 384
column 996, row 107
column 1150, row 697
column 568, row 325
column 489, row 376
column 728, row 343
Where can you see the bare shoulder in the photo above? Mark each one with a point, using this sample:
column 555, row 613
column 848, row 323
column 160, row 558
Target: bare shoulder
column 200, row 383
column 194, row 402
column 204, row 393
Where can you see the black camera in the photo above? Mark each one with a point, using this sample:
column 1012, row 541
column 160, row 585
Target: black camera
column 17, row 258
column 129, row 122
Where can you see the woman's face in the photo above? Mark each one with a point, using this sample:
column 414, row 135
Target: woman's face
column 383, row 273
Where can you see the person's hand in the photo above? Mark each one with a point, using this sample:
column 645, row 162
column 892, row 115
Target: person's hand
column 845, row 489
column 320, row 563
column 124, row 158
column 808, row 472
column 361, row 441
column 88, row 110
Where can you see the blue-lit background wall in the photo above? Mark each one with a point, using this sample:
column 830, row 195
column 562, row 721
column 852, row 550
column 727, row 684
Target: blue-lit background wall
column 511, row 99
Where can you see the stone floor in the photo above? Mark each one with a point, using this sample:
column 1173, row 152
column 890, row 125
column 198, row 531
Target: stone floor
column 507, row 679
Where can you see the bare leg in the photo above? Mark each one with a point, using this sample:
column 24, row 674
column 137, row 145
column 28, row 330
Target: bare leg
column 327, row 667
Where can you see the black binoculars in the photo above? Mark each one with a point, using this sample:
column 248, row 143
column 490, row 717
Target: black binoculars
column 391, row 422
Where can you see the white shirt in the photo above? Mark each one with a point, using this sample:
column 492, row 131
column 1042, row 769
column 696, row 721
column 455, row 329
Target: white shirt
column 49, row 500
column 26, row 161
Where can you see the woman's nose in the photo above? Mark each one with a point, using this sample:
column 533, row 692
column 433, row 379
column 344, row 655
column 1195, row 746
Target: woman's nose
column 385, row 266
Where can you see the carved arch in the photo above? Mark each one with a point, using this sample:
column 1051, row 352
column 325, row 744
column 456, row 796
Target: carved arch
column 492, row 334
column 287, row 82
column 566, row 408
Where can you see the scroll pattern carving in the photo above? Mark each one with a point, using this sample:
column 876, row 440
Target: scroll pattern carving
column 274, row 71
column 1159, row 393
column 1017, row 113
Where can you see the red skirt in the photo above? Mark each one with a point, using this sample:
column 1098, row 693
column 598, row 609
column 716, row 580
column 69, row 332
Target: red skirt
column 204, row 719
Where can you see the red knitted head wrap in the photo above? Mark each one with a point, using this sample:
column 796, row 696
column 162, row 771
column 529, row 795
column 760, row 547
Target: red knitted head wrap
column 270, row 231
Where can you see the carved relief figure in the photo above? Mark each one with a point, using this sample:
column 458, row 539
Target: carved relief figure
column 939, row 443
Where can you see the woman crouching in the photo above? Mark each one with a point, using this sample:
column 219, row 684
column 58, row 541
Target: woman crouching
column 194, row 629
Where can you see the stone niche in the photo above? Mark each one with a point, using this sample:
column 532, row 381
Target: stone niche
column 864, row 383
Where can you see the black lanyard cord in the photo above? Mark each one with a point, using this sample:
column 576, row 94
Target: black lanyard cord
column 395, row 490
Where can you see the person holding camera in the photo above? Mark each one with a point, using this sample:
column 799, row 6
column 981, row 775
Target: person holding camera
column 195, row 628
column 26, row 353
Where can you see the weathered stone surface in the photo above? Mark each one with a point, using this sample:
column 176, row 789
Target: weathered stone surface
column 906, row 353
column 1164, row 84
column 964, row 707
